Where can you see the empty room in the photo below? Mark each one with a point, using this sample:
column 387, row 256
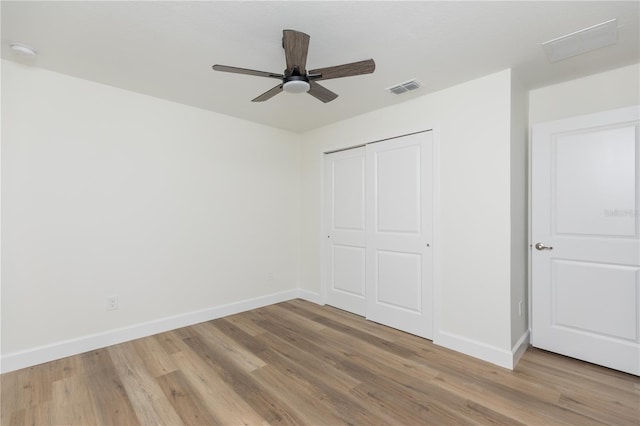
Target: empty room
column 320, row 212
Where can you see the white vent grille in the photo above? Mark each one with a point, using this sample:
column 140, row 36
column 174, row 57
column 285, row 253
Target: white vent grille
column 405, row 87
column 586, row 40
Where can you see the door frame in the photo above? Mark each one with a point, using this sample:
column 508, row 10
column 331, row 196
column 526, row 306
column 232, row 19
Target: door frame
column 437, row 240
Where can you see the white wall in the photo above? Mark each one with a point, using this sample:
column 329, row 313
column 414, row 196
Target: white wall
column 107, row 192
column 473, row 122
column 599, row 92
column 519, row 211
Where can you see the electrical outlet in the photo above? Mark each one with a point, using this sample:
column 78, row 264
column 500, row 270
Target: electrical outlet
column 112, row 303
column 520, row 308
column 270, row 277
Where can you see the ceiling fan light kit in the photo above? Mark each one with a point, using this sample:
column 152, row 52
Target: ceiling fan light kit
column 296, row 78
column 296, row 86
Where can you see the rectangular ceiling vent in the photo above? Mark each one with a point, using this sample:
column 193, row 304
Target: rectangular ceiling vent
column 405, row 87
column 585, row 40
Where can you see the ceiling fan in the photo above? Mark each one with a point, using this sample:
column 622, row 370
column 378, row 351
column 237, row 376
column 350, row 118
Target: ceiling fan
column 296, row 78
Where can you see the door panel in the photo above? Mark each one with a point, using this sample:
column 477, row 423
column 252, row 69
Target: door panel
column 611, row 293
column 345, row 222
column 397, row 174
column 348, row 190
column 585, row 204
column 348, row 269
column 399, row 230
column 398, row 280
column 592, row 162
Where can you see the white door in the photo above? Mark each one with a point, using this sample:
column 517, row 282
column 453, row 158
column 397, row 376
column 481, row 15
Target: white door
column 585, row 230
column 399, row 233
column 345, row 222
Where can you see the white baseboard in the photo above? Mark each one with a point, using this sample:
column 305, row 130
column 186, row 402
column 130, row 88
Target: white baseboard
column 520, row 347
column 38, row 355
column 474, row 348
column 309, row 296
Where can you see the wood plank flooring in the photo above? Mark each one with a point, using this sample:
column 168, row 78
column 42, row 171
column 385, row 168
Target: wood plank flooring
column 297, row 363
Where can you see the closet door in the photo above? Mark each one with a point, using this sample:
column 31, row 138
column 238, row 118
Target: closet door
column 399, row 213
column 345, row 228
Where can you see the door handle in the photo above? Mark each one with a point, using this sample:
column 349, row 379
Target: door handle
column 540, row 246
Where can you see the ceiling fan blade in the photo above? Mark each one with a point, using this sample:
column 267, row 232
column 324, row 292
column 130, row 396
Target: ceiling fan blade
column 321, row 92
column 268, row 94
column 237, row 70
column 346, row 70
column 296, row 46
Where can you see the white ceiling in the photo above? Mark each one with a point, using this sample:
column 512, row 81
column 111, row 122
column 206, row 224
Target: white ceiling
column 166, row 49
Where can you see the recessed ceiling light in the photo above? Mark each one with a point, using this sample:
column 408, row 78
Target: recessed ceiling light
column 23, row 49
column 585, row 40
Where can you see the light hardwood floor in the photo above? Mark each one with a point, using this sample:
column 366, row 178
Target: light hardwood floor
column 299, row 363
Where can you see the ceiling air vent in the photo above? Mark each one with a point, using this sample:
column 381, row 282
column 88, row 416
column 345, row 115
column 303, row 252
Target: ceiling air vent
column 586, row 40
column 407, row 86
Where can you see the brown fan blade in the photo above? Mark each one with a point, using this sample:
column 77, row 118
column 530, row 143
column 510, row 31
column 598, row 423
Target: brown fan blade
column 321, row 92
column 296, row 46
column 237, row 70
column 346, row 70
column 268, row 94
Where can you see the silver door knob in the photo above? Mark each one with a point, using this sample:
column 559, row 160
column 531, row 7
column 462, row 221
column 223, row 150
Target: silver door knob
column 540, row 246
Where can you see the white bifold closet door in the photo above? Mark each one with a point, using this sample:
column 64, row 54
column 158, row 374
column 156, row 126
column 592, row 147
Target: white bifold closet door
column 379, row 216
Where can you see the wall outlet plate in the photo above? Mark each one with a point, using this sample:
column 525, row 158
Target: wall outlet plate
column 112, row 303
